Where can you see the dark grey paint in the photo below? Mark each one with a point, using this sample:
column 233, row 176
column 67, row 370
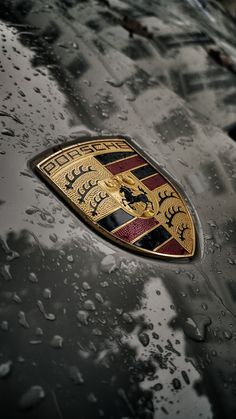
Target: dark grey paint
column 135, row 337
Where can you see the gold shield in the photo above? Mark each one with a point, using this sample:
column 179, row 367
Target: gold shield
column 122, row 195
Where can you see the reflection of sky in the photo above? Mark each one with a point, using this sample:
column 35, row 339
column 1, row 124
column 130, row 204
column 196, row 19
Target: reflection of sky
column 47, row 122
column 152, row 309
column 201, row 5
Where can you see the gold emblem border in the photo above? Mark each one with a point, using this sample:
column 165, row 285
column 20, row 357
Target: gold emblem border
column 38, row 162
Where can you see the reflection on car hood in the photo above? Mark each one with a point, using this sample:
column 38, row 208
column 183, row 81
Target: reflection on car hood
column 88, row 328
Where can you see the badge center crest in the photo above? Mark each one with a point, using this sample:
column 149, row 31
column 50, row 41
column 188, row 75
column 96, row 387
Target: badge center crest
column 133, row 197
column 122, row 195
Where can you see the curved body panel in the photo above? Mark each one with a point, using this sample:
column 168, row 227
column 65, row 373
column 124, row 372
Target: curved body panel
column 89, row 329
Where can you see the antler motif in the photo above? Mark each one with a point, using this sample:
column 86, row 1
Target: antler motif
column 181, row 230
column 170, row 214
column 97, row 201
column 165, row 195
column 74, row 176
column 142, row 190
column 82, row 192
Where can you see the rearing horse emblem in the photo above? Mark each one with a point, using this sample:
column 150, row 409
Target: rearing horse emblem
column 132, row 199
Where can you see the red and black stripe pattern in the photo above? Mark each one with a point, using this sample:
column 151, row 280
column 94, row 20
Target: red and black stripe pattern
column 121, row 161
column 145, row 233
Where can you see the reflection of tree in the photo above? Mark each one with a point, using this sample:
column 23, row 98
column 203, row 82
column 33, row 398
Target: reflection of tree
column 45, row 56
column 109, row 371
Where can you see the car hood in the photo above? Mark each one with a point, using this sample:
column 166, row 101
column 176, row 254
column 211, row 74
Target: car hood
column 86, row 326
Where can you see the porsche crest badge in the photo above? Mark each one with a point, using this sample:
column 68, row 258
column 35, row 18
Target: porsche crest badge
column 114, row 188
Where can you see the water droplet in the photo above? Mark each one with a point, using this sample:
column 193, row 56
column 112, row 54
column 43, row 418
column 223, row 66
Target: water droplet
column 57, row 342
column 33, row 277
column 17, row 298
column 123, row 117
column 20, row 91
column 114, row 83
column 14, row 117
column 99, row 298
column 92, row 398
column 47, row 293
column 35, row 342
column 9, row 132
column 39, row 331
column 10, row 254
column 127, row 318
column 53, row 238
column 83, row 316
column 5, row 369
column 86, row 286
column 4, row 325
column 227, row 334
column 76, row 375
column 195, row 327
column 32, row 397
column 212, row 223
column 47, row 316
column 231, row 261
column 31, row 211
column 176, row 384
column 184, row 163
column 5, row 272
column 144, row 339
column 104, row 284
column 89, row 305
column 22, row 320
column 185, row 377
column 97, row 332
column 157, row 387
column 108, row 264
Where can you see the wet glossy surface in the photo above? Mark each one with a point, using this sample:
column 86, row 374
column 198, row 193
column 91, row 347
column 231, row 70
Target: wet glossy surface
column 89, row 330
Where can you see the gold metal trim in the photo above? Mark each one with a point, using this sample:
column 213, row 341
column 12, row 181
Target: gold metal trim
column 145, row 178
column 39, row 164
column 160, row 245
column 123, row 225
column 118, row 161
